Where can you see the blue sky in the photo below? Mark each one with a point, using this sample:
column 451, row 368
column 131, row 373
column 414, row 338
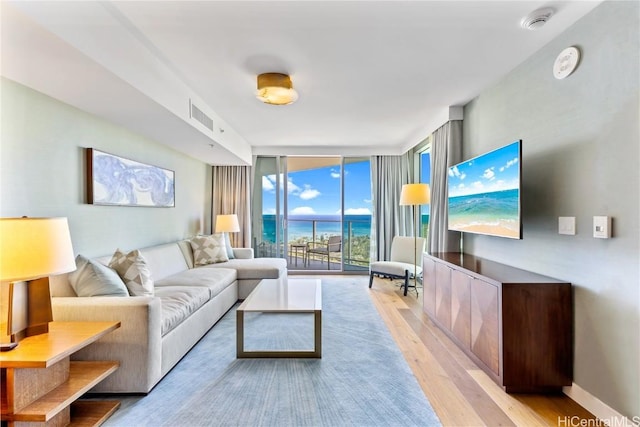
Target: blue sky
column 496, row 171
column 317, row 191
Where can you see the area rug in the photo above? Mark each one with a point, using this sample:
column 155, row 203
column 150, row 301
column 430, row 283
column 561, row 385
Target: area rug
column 361, row 380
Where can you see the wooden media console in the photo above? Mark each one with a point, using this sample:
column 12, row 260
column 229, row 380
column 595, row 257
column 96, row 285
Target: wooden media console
column 516, row 325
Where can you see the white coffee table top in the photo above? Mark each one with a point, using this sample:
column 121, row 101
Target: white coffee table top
column 295, row 295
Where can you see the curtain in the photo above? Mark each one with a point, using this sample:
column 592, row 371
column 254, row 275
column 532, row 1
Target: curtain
column 388, row 175
column 446, row 150
column 231, row 194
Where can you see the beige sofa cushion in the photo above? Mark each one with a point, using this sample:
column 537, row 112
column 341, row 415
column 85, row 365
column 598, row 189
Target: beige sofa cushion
column 179, row 302
column 215, row 280
column 255, row 268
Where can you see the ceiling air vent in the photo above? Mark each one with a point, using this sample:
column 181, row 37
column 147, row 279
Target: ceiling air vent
column 197, row 114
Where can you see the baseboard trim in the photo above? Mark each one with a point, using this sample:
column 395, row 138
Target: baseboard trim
column 597, row 407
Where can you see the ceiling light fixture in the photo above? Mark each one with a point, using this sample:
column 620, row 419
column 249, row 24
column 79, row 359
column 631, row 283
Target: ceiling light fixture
column 536, row 19
column 276, row 89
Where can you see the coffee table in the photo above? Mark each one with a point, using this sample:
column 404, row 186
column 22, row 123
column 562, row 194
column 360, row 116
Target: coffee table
column 282, row 296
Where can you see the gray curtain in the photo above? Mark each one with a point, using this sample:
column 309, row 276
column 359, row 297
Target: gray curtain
column 231, row 194
column 446, row 150
column 388, row 175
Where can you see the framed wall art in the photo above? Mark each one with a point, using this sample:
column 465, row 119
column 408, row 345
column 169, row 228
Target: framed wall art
column 114, row 180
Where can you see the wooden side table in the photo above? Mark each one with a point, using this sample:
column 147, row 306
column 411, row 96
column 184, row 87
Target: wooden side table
column 41, row 385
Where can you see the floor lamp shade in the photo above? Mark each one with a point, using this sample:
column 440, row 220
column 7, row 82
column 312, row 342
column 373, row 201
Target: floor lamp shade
column 31, row 249
column 227, row 224
column 415, row 194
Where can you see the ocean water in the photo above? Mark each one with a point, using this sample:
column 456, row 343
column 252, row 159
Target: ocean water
column 485, row 209
column 301, row 226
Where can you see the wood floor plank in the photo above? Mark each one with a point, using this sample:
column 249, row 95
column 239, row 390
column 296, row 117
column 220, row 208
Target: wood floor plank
column 446, row 399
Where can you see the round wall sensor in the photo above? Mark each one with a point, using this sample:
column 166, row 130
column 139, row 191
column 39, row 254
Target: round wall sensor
column 566, row 62
column 536, row 19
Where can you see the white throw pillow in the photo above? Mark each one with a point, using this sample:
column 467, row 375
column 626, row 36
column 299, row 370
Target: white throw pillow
column 134, row 271
column 209, row 249
column 93, row 279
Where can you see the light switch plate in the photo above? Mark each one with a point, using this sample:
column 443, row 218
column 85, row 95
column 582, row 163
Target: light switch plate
column 602, row 227
column 567, row 225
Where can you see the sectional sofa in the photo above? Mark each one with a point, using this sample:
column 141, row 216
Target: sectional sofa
column 158, row 330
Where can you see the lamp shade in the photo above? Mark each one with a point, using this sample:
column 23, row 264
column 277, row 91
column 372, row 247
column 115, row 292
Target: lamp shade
column 227, row 224
column 276, row 89
column 31, row 248
column 415, row 194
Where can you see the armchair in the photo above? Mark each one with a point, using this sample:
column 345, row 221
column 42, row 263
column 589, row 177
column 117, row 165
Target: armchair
column 404, row 250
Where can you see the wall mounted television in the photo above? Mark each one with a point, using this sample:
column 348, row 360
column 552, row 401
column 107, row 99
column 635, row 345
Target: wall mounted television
column 484, row 193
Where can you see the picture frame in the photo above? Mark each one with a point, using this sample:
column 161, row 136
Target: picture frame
column 118, row 181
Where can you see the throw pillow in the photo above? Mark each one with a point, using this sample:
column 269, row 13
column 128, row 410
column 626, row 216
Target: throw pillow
column 93, row 279
column 209, row 249
column 227, row 241
column 134, row 271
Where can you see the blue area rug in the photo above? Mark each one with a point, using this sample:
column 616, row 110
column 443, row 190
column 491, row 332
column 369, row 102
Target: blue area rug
column 361, row 380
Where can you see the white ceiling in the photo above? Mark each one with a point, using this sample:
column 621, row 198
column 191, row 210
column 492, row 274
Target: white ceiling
column 374, row 77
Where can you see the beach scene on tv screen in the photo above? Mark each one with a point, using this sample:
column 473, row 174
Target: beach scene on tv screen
column 484, row 193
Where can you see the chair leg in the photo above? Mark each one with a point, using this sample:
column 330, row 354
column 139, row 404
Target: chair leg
column 370, row 279
column 406, row 282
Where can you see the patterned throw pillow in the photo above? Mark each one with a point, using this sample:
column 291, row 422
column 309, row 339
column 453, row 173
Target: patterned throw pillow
column 92, row 279
column 209, row 249
column 134, row 271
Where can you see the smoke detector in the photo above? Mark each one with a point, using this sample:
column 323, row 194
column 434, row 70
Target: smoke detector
column 536, row 19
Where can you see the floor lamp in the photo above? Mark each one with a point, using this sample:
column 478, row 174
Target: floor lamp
column 415, row 195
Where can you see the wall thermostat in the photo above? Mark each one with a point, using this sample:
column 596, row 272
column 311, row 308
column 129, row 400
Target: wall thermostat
column 602, row 227
column 566, row 62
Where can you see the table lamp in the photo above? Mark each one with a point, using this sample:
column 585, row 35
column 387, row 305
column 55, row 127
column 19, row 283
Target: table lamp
column 31, row 250
column 227, row 224
column 414, row 195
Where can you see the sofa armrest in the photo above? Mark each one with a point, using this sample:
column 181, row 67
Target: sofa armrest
column 243, row 253
column 137, row 344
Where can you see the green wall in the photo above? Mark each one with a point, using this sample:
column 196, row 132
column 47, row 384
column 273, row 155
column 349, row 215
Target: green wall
column 42, row 173
column 580, row 158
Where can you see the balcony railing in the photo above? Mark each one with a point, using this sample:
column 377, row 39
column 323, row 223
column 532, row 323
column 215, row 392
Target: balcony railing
column 355, row 246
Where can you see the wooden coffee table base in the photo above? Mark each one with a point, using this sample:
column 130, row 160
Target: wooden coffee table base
column 315, row 353
column 286, row 297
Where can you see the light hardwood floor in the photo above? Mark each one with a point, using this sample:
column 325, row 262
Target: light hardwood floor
column 460, row 393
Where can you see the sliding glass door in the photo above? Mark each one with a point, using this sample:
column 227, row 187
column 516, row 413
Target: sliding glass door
column 313, row 211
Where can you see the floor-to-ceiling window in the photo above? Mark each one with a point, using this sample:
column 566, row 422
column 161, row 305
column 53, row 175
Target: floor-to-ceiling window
column 425, row 177
column 302, row 206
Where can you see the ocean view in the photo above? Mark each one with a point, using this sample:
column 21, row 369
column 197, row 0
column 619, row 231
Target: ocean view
column 301, row 226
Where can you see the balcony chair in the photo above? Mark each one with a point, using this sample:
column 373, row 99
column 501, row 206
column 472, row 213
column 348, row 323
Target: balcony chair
column 401, row 265
column 332, row 246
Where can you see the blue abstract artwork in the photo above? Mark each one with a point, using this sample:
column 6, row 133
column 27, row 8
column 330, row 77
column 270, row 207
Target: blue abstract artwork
column 114, row 180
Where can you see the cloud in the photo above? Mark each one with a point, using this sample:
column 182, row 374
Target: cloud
column 454, row 171
column 335, row 173
column 268, row 183
column 478, row 185
column 309, row 193
column 369, row 201
column 489, row 174
column 358, row 211
column 270, row 211
column 303, row 210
